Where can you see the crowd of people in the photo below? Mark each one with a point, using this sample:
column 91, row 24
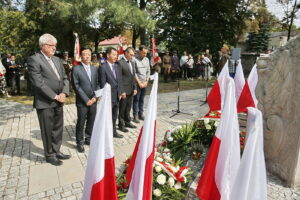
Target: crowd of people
column 50, row 79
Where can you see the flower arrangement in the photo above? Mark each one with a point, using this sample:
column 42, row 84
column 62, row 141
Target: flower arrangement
column 170, row 180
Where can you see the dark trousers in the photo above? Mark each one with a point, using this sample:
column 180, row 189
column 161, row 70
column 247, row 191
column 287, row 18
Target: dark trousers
column 85, row 114
column 51, row 122
column 124, row 110
column 115, row 109
column 138, row 101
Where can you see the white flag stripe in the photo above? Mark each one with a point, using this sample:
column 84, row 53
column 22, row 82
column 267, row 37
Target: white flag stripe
column 229, row 153
column 222, row 79
column 136, row 189
column 101, row 146
column 251, row 181
column 239, row 80
column 252, row 82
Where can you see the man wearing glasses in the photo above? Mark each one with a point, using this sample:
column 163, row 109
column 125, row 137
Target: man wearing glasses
column 51, row 86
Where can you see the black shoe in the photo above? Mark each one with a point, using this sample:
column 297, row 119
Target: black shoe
column 135, row 119
column 130, row 125
column 117, row 135
column 123, row 129
column 80, row 148
column 87, row 142
column 141, row 117
column 62, row 156
column 54, row 161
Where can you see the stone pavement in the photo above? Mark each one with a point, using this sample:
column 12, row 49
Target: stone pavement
column 24, row 174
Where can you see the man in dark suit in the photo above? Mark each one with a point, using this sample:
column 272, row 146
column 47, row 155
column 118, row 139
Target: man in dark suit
column 51, row 84
column 85, row 83
column 110, row 72
column 129, row 85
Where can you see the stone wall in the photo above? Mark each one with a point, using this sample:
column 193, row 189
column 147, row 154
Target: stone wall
column 278, row 92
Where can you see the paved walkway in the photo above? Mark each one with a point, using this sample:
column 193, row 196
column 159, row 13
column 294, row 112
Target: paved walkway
column 24, row 174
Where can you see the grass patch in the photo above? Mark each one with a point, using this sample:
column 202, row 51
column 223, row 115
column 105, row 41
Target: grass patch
column 162, row 88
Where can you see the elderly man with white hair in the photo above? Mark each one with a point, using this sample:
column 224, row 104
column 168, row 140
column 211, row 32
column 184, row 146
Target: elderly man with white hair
column 51, row 86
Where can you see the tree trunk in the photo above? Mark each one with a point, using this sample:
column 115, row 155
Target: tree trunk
column 292, row 20
column 96, row 43
column 143, row 36
column 135, row 35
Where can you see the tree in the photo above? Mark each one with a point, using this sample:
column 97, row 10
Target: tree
column 258, row 41
column 197, row 25
column 16, row 32
column 291, row 7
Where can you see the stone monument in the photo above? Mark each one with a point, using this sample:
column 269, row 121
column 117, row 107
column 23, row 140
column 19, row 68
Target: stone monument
column 278, row 93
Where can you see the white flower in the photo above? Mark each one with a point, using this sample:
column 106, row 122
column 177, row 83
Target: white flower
column 206, row 121
column 168, row 134
column 174, row 169
column 171, row 182
column 177, row 186
column 161, row 179
column 166, row 150
column 168, row 158
column 217, row 123
column 170, row 139
column 157, row 192
column 207, row 126
column 159, row 159
column 158, row 169
column 157, row 154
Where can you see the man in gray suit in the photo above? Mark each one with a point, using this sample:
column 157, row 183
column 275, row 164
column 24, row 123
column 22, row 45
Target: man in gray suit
column 129, row 85
column 85, row 83
column 110, row 72
column 51, row 86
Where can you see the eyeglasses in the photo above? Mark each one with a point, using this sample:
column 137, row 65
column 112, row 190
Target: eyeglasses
column 51, row 45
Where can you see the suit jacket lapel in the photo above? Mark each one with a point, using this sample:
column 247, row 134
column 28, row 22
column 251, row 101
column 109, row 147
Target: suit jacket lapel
column 48, row 64
column 58, row 68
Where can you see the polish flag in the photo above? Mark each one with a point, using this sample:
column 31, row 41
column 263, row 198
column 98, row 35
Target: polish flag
column 100, row 179
column 155, row 55
column 215, row 98
column 140, row 169
column 248, row 97
column 77, row 59
column 223, row 158
column 251, row 180
column 239, row 80
column 121, row 50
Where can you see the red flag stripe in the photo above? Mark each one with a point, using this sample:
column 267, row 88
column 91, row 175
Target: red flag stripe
column 245, row 100
column 106, row 188
column 214, row 98
column 147, row 194
column 207, row 188
column 133, row 158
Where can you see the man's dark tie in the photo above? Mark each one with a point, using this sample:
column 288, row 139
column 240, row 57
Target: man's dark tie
column 114, row 71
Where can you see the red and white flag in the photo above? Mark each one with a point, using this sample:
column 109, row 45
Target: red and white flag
column 140, row 169
column 77, row 59
column 215, row 98
column 121, row 50
column 251, row 180
column 155, row 55
column 100, row 179
column 239, row 80
column 248, row 97
column 223, row 158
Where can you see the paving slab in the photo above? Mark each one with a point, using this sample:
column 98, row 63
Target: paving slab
column 42, row 177
column 70, row 172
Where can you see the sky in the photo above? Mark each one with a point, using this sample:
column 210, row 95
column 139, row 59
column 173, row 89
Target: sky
column 278, row 10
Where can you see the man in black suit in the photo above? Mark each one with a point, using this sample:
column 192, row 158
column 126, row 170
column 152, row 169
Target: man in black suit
column 129, row 85
column 85, row 83
column 51, row 84
column 110, row 72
